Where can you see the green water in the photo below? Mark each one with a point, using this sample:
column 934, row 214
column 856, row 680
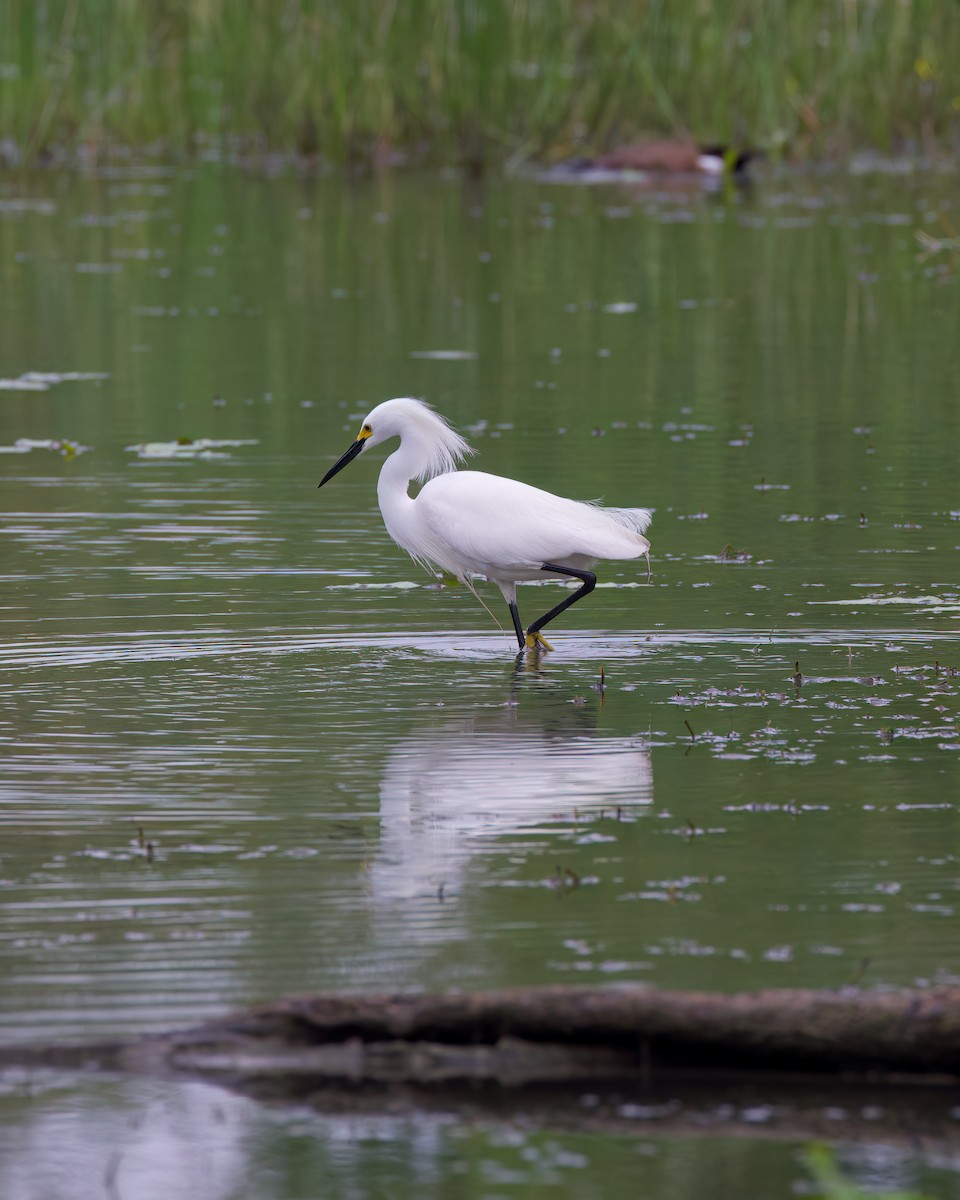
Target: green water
column 247, row 750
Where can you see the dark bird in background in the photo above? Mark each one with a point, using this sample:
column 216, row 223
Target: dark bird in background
column 674, row 158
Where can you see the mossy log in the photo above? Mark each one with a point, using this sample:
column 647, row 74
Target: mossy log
column 522, row 1035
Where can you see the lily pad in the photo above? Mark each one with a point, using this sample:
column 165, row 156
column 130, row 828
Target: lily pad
column 65, row 446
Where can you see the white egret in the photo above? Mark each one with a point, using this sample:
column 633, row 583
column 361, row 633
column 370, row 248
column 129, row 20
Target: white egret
column 474, row 525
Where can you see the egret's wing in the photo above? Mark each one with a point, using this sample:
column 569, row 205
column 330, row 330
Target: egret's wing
column 478, row 520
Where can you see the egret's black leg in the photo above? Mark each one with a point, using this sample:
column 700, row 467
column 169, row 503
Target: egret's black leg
column 589, row 582
column 515, row 613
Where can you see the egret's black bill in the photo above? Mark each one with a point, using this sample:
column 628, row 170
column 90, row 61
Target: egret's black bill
column 342, row 461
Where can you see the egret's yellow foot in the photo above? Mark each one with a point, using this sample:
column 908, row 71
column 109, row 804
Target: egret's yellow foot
column 537, row 639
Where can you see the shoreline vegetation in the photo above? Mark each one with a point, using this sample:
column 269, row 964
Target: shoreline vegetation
column 473, row 83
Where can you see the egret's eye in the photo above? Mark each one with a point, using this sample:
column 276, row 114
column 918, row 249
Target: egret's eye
column 365, row 432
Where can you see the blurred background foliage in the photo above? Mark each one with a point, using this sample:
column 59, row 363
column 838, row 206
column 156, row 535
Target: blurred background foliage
column 474, row 81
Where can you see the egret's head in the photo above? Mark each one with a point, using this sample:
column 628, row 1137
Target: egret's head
column 394, row 418
column 440, row 446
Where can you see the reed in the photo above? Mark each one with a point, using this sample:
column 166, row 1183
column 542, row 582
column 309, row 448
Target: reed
column 475, row 80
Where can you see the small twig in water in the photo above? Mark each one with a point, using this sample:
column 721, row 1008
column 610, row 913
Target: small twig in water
column 110, row 1175
column 567, row 879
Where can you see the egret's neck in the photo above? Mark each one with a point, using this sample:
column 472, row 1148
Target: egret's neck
column 404, row 464
column 396, row 505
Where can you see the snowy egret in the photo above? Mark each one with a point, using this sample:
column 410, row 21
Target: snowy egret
column 474, row 525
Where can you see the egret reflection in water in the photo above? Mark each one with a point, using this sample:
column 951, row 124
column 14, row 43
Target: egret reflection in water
column 449, row 790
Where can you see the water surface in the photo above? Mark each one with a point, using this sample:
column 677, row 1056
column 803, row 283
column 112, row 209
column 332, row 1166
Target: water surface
column 248, row 748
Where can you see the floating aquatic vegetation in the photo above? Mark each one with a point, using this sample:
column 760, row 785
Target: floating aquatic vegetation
column 400, row 585
column 42, row 381
column 65, row 446
column 18, row 205
column 189, row 448
column 22, row 385
column 921, row 601
column 730, row 554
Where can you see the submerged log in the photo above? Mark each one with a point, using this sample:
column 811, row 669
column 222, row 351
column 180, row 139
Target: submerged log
column 521, row 1035
column 921, row 1120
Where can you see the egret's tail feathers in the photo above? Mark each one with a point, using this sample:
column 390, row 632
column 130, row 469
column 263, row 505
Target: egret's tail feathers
column 634, row 519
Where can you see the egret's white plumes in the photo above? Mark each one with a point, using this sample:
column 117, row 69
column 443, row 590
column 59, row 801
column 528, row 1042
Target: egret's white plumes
column 472, row 524
column 426, row 434
column 634, row 519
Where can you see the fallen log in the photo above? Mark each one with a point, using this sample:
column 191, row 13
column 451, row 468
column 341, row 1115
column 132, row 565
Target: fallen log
column 854, row 1065
column 522, row 1035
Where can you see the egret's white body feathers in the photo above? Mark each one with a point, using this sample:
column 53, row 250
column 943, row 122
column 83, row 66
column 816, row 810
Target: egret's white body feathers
column 522, row 528
column 471, row 524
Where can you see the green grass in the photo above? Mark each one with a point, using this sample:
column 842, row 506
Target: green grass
column 476, row 80
column 833, row 1184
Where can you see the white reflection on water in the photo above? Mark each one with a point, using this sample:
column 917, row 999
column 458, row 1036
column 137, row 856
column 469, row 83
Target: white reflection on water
column 138, row 1139
column 446, row 790
column 96, row 1138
